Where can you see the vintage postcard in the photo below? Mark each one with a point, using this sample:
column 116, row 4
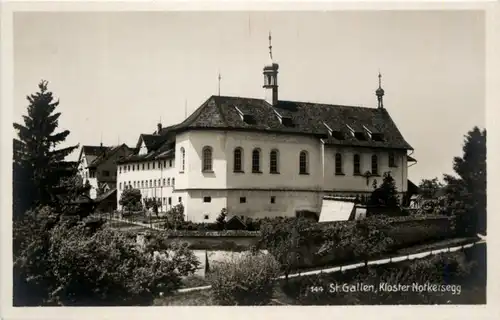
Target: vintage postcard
column 187, row 157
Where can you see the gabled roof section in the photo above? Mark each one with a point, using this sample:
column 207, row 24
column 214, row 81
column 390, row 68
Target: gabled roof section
column 91, row 152
column 106, row 154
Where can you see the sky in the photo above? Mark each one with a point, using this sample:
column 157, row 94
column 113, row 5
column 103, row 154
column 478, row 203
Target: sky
column 117, row 74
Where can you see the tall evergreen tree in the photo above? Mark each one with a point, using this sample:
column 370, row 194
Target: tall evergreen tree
column 466, row 194
column 386, row 195
column 41, row 166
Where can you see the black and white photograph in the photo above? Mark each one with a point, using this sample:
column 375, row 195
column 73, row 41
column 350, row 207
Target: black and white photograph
column 248, row 158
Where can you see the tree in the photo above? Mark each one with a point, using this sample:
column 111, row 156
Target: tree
column 284, row 239
column 41, row 165
column 131, row 199
column 175, row 215
column 466, row 192
column 429, row 188
column 386, row 195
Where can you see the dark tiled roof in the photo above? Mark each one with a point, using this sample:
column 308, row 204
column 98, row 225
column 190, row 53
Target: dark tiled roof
column 163, row 151
column 93, row 150
column 106, row 154
column 221, row 112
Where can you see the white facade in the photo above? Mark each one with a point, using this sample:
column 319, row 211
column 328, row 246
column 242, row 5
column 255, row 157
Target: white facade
column 155, row 179
column 204, row 193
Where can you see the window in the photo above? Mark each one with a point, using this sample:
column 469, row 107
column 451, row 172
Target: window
column 170, row 163
column 159, row 182
column 207, row 199
column 164, row 200
column 256, row 161
column 183, row 159
column 134, row 184
column 169, row 201
column 273, row 161
column 303, row 163
column 153, row 165
column 164, row 163
column 133, row 167
column 142, row 184
column 392, row 160
column 207, row 159
column 150, row 183
column 168, row 182
column 147, row 185
column 205, row 217
column 338, row 163
column 128, row 168
column 164, row 181
column 148, row 165
column 159, row 164
column 180, row 199
column 105, row 173
column 143, row 165
column 374, row 165
column 243, row 200
column 120, row 169
column 357, row 164
column 273, row 199
column 238, row 160
column 120, row 186
column 173, row 182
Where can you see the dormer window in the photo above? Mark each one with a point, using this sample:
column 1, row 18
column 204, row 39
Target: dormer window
column 360, row 135
column 377, row 137
column 286, row 121
column 246, row 117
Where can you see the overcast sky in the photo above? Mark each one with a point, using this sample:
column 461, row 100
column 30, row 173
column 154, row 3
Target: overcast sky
column 117, row 74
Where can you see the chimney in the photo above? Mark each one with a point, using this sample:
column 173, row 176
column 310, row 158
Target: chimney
column 159, row 128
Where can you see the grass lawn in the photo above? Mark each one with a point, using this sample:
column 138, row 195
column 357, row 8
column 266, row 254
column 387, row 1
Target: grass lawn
column 193, row 298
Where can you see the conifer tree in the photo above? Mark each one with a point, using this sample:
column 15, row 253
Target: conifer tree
column 387, row 194
column 466, row 192
column 42, row 166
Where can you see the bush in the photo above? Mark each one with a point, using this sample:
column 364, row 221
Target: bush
column 131, row 199
column 74, row 264
column 245, row 280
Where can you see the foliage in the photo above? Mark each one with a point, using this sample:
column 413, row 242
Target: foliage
column 448, row 268
column 429, row 188
column 245, row 280
column 39, row 169
column 466, row 194
column 77, row 263
column 221, row 219
column 386, row 195
column 357, row 240
column 284, row 238
column 175, row 216
column 131, row 199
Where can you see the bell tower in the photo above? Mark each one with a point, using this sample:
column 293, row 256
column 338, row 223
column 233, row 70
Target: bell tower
column 271, row 78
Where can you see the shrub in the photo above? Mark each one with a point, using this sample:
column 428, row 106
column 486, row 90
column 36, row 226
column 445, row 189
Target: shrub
column 244, row 280
column 131, row 199
column 72, row 263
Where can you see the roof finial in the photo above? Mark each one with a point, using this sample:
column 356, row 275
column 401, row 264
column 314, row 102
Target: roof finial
column 270, row 46
column 380, row 92
column 219, row 78
column 101, row 138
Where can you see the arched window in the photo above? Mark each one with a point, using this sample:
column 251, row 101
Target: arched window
column 303, row 162
column 392, row 160
column 338, row 163
column 256, row 161
column 207, row 159
column 238, row 160
column 374, row 165
column 183, row 159
column 357, row 164
column 274, row 161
